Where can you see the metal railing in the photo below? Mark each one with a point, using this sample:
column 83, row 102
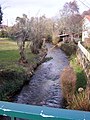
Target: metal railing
column 15, row 110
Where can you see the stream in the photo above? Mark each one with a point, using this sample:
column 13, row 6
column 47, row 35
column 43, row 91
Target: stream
column 44, row 87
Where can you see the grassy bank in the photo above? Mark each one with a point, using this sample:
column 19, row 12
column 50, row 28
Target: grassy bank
column 74, row 82
column 80, row 100
column 81, row 77
column 70, row 50
column 12, row 75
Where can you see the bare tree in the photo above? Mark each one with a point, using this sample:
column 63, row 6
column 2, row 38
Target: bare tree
column 86, row 13
column 70, row 8
column 21, row 39
column 33, row 30
column 21, row 36
column 70, row 19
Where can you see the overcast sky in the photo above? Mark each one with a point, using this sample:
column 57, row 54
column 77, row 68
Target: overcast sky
column 14, row 8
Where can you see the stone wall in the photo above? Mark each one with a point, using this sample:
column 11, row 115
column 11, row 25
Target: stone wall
column 84, row 59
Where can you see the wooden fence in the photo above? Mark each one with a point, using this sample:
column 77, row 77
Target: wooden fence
column 84, row 59
column 85, row 52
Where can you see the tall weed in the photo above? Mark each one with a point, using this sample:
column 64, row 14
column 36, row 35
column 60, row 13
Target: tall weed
column 68, row 83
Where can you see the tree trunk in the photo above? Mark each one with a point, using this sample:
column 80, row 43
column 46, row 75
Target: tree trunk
column 22, row 59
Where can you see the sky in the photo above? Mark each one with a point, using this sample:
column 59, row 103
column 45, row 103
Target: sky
column 49, row 8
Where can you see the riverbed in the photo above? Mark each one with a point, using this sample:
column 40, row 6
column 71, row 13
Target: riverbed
column 44, row 88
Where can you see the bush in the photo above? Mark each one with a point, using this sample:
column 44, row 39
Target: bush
column 68, row 83
column 55, row 39
column 80, row 101
column 49, row 38
column 3, row 34
column 69, row 48
column 87, row 43
column 10, row 82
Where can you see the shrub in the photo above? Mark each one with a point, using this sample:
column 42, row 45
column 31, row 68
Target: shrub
column 87, row 42
column 10, row 82
column 49, row 38
column 3, row 34
column 68, row 83
column 69, row 48
column 80, row 101
column 55, row 39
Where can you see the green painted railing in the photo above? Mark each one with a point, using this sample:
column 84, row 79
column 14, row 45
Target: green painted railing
column 30, row 112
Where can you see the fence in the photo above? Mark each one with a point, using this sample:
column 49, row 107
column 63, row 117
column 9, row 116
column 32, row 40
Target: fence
column 30, row 112
column 85, row 52
column 84, row 59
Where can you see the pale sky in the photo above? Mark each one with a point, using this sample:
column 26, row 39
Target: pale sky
column 14, row 8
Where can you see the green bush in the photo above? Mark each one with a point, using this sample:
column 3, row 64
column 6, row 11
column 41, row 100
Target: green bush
column 10, row 82
column 49, row 38
column 3, row 34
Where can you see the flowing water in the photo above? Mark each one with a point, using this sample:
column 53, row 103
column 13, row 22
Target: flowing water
column 44, row 87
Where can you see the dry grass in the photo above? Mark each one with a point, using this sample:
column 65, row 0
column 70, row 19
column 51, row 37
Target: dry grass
column 55, row 39
column 68, row 82
column 6, row 44
column 87, row 42
column 80, row 101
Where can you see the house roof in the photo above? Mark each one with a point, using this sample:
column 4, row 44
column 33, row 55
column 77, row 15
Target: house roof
column 88, row 17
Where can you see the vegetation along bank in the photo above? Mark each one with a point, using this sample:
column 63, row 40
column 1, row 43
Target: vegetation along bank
column 74, row 81
column 13, row 75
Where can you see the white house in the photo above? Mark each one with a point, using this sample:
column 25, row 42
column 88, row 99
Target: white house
column 86, row 28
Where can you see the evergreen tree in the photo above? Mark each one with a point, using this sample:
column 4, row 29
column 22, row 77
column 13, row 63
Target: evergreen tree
column 1, row 15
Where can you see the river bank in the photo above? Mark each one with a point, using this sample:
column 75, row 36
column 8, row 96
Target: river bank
column 12, row 74
column 13, row 81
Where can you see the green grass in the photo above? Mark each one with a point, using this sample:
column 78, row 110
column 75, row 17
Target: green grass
column 9, row 55
column 12, row 75
column 81, row 77
column 32, row 58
